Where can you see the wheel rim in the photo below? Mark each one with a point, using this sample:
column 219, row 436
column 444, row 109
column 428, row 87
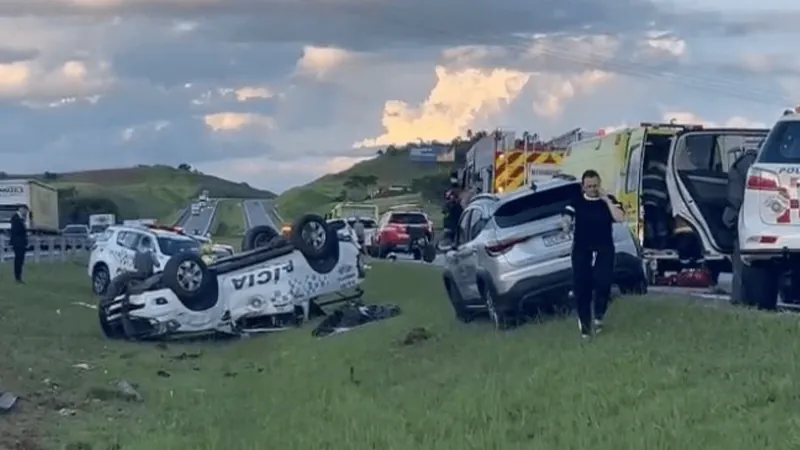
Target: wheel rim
column 314, row 235
column 190, row 276
column 100, row 280
column 492, row 310
column 261, row 240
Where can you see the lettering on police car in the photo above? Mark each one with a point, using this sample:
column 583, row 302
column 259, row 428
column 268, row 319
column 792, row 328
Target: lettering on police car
column 789, row 170
column 262, row 276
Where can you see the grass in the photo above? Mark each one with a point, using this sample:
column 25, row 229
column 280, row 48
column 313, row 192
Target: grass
column 320, row 195
column 148, row 191
column 229, row 219
column 667, row 374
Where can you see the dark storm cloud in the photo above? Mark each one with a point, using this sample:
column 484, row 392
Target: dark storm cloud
column 11, row 55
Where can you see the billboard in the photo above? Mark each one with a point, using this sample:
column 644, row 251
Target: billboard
column 430, row 154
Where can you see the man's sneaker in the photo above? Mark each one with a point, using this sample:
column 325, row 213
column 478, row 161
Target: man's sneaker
column 598, row 325
column 585, row 333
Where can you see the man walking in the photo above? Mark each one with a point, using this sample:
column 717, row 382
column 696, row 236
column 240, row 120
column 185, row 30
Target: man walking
column 19, row 240
column 590, row 217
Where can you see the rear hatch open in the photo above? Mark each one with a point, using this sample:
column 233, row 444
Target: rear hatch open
column 529, row 227
column 415, row 225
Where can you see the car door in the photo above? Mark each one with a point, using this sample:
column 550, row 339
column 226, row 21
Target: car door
column 698, row 180
column 452, row 257
column 466, row 254
column 124, row 252
column 628, row 192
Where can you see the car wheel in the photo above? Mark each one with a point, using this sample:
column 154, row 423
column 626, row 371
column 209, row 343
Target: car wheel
column 462, row 313
column 313, row 237
column 100, row 279
column 500, row 318
column 259, row 236
column 429, row 254
column 637, row 286
column 760, row 286
column 186, row 275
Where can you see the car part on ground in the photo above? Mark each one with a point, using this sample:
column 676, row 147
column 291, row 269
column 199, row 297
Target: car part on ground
column 509, row 254
column 271, row 287
column 353, row 315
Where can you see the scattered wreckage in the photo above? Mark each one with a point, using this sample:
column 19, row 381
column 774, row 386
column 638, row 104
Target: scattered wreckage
column 274, row 284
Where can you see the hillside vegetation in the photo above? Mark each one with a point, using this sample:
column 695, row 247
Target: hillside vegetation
column 144, row 191
column 393, row 168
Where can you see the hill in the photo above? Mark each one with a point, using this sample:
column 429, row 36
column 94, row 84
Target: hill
column 391, row 168
column 143, row 191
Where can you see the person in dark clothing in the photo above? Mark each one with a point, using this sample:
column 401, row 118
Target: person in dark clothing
column 19, row 240
column 737, row 180
column 590, row 217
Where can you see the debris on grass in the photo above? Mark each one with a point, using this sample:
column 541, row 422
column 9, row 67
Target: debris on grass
column 7, row 401
column 83, row 366
column 127, row 392
column 415, row 336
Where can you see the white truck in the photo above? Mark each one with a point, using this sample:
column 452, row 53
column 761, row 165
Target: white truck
column 99, row 222
column 41, row 200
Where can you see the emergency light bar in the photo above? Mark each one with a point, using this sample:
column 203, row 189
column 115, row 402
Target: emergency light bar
column 683, row 126
column 178, row 230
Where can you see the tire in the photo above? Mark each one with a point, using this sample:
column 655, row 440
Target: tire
column 633, row 287
column 760, row 286
column 259, row 236
column 500, row 318
column 118, row 286
column 101, row 278
column 187, row 275
column 313, row 237
column 429, row 254
column 461, row 312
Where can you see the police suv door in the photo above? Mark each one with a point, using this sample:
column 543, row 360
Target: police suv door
column 123, row 254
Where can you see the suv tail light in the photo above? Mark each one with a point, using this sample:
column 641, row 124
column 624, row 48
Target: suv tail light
column 503, row 247
column 763, row 180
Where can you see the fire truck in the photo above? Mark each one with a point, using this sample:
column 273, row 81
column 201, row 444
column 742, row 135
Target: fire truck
column 500, row 162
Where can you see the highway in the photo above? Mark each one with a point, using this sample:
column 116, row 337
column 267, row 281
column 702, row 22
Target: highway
column 257, row 212
column 202, row 221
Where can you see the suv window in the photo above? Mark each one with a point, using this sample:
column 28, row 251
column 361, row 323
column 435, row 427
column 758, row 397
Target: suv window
column 782, row 145
column 476, row 224
column 463, row 227
column 75, row 230
column 128, row 239
column 408, row 218
column 172, row 246
column 536, row 205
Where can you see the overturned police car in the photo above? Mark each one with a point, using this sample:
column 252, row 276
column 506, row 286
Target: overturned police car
column 273, row 285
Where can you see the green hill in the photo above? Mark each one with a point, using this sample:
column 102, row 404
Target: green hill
column 392, row 168
column 137, row 192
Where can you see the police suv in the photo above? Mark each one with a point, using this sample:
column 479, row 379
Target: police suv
column 769, row 220
column 114, row 250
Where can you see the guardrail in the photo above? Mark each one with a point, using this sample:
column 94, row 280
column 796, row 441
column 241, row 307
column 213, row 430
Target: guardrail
column 48, row 249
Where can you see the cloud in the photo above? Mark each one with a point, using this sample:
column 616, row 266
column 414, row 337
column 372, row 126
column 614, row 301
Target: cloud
column 277, row 92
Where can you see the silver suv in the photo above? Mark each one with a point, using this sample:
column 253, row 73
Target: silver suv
column 509, row 251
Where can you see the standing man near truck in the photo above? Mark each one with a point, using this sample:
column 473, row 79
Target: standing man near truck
column 19, row 241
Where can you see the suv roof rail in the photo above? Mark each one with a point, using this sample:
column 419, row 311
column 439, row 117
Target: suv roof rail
column 565, row 176
column 484, row 196
column 671, row 124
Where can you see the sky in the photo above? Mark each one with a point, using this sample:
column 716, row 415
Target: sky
column 278, row 92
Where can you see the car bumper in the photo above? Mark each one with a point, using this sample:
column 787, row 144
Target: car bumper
column 558, row 279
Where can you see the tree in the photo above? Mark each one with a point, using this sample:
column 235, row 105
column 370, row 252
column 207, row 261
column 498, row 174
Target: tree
column 184, row 167
column 50, row 176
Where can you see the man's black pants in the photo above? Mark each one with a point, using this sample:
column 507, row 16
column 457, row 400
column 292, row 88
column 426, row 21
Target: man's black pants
column 589, row 279
column 19, row 261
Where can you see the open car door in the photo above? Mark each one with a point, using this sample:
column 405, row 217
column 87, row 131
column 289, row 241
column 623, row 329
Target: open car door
column 697, row 179
column 629, row 185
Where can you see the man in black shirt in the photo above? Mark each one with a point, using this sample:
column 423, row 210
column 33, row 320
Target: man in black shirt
column 591, row 216
column 19, row 240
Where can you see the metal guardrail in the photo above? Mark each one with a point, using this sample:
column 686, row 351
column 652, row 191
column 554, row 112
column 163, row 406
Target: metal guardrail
column 48, row 249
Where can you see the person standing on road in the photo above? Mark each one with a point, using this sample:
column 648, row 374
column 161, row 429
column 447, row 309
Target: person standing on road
column 590, row 216
column 19, row 240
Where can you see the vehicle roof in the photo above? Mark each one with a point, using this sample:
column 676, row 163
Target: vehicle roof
column 154, row 231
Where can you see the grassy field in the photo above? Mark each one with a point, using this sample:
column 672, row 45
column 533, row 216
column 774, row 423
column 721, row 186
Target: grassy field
column 148, row 191
column 665, row 375
column 319, row 195
column 229, row 220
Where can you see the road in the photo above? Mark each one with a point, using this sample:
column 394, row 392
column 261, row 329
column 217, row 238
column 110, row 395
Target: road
column 259, row 212
column 202, row 221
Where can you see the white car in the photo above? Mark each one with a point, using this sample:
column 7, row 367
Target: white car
column 267, row 288
column 114, row 250
column 769, row 220
column 196, row 209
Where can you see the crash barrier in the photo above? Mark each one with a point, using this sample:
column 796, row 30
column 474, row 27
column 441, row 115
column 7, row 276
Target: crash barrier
column 48, row 249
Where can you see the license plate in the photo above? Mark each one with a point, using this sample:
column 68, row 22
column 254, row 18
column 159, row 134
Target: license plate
column 556, row 239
